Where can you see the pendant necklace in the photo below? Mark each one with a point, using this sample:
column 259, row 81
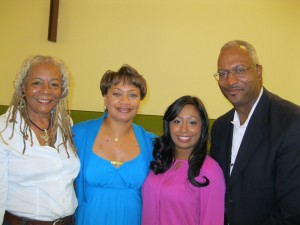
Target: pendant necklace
column 114, row 139
column 45, row 136
column 116, row 163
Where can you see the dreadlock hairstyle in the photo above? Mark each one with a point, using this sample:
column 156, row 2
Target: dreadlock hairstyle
column 164, row 147
column 60, row 115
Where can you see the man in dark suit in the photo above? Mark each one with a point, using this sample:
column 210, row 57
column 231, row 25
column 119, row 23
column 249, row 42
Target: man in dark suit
column 257, row 143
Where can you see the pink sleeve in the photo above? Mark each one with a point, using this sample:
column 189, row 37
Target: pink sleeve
column 212, row 197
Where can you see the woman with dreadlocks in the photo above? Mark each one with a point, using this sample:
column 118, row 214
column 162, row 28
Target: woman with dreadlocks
column 38, row 161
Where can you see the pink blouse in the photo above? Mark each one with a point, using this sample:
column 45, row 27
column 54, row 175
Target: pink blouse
column 170, row 199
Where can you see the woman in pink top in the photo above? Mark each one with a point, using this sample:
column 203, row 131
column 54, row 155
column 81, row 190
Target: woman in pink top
column 185, row 186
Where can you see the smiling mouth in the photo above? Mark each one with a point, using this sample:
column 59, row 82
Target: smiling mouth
column 184, row 138
column 124, row 110
column 43, row 101
column 233, row 91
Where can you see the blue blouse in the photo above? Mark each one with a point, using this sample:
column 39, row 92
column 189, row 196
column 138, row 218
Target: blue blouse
column 108, row 195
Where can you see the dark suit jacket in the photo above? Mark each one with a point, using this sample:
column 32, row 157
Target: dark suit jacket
column 264, row 186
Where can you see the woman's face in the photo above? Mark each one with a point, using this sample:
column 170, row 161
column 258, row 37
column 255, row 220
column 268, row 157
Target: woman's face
column 42, row 89
column 185, row 130
column 122, row 102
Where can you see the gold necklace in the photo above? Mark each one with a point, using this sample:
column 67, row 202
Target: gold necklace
column 117, row 163
column 115, row 139
column 45, row 136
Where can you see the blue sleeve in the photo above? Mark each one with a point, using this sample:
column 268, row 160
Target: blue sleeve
column 145, row 140
column 84, row 134
column 79, row 141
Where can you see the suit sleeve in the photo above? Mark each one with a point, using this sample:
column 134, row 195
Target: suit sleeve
column 287, row 164
column 212, row 144
column 214, row 138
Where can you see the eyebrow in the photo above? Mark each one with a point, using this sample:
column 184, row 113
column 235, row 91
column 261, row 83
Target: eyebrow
column 120, row 89
column 188, row 117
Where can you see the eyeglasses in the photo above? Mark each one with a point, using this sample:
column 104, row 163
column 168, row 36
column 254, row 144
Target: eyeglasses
column 237, row 72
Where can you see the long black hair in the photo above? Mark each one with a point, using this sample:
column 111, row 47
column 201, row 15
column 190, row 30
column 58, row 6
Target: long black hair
column 164, row 147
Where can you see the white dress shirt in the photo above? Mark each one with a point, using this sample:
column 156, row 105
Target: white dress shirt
column 39, row 183
column 239, row 131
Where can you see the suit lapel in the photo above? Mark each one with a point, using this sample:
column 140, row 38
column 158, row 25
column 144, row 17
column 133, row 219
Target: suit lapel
column 227, row 157
column 252, row 137
column 225, row 141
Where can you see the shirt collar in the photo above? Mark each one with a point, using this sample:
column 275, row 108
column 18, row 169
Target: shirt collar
column 236, row 120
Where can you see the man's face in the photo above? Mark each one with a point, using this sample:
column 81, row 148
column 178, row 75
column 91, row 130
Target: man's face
column 241, row 89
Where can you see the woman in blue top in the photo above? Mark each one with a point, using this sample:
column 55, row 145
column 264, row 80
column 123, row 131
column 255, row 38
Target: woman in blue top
column 114, row 153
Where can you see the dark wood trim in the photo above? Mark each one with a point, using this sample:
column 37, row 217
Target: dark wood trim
column 53, row 20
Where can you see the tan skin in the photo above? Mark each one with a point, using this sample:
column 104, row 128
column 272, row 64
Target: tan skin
column 241, row 92
column 122, row 102
column 42, row 90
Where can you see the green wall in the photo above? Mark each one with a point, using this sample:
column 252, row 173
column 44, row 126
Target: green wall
column 3, row 109
column 149, row 122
